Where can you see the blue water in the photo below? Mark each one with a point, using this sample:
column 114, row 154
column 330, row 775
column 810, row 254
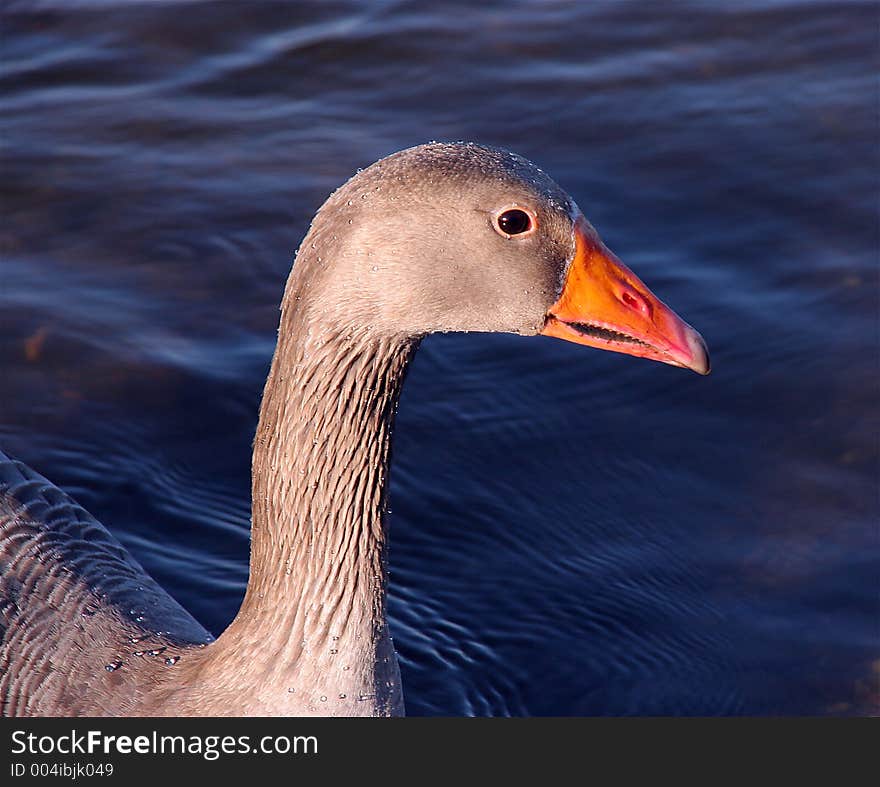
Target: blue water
column 573, row 532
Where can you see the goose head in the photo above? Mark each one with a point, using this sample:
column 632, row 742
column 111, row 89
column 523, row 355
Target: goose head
column 462, row 237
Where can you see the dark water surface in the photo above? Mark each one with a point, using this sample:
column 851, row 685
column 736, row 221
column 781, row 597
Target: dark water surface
column 573, row 532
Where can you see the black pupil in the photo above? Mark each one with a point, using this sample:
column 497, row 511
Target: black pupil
column 513, row 222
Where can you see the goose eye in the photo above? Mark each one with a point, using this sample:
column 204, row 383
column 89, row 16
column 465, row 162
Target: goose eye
column 514, row 222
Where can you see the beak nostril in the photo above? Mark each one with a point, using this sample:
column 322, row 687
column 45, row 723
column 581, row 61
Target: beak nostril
column 632, row 301
column 635, row 301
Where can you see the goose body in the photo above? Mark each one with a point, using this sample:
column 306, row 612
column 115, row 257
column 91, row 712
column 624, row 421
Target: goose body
column 441, row 237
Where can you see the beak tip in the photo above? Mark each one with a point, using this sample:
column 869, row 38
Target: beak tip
column 700, row 362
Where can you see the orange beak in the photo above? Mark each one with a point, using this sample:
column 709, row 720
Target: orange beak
column 603, row 304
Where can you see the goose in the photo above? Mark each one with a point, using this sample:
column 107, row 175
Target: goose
column 436, row 238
